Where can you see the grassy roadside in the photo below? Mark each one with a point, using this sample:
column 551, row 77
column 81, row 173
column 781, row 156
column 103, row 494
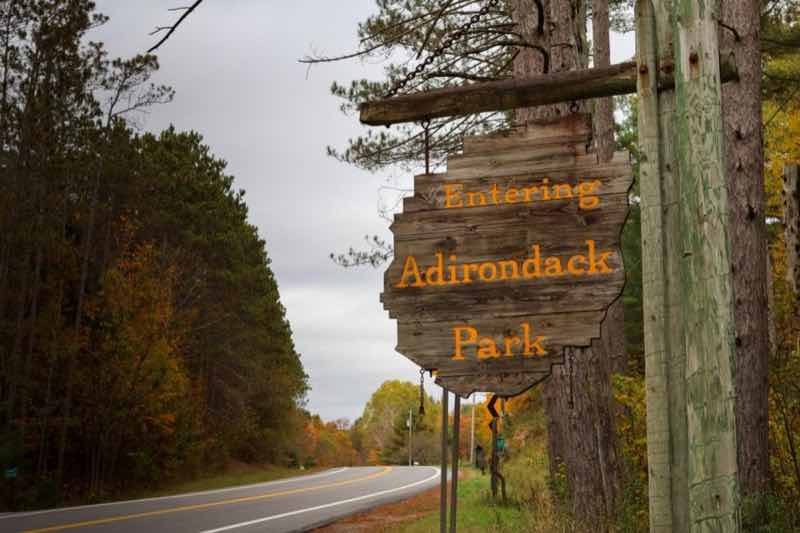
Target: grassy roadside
column 233, row 475
column 477, row 513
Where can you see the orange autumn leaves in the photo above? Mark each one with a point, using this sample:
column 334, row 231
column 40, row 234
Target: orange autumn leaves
column 137, row 385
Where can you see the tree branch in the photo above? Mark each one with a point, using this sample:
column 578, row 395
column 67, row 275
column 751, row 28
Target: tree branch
column 171, row 29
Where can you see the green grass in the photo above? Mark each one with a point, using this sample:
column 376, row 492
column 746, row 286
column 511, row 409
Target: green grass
column 235, row 475
column 476, row 511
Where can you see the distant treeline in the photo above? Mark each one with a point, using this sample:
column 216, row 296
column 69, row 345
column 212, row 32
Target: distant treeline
column 141, row 332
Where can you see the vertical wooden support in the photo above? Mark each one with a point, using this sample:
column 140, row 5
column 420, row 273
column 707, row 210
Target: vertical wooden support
column 443, row 477
column 654, row 279
column 665, row 361
column 671, row 187
column 791, row 226
column 494, row 459
column 454, row 461
column 706, row 284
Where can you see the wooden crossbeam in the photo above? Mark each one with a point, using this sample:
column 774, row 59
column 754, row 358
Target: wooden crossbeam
column 520, row 92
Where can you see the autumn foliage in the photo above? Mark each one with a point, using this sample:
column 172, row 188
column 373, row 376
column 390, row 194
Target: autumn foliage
column 141, row 331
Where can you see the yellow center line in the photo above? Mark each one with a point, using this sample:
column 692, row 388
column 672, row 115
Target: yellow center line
column 193, row 507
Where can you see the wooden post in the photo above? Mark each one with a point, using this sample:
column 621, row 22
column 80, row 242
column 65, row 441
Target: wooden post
column 472, row 434
column 454, row 462
column 707, row 289
column 667, row 439
column 493, row 463
column 443, row 478
column 791, row 225
column 515, row 93
column 410, row 438
column 654, row 277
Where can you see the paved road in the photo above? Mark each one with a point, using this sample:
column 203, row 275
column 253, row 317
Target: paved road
column 294, row 504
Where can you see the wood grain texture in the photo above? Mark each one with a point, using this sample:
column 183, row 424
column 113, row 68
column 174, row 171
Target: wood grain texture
column 566, row 310
column 664, row 359
column 553, row 88
column 706, row 283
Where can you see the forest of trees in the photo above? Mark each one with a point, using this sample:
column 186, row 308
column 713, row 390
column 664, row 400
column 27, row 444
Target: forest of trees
column 141, row 329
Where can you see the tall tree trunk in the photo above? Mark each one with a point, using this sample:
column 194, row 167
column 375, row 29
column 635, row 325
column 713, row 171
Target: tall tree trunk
column 741, row 108
column 577, row 397
column 13, row 371
column 72, row 356
column 5, row 259
column 32, row 331
column 603, row 116
column 531, row 18
column 612, row 357
column 791, row 225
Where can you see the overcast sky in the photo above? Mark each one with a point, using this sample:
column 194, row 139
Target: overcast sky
column 238, row 83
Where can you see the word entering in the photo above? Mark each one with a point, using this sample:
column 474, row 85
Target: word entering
column 456, row 195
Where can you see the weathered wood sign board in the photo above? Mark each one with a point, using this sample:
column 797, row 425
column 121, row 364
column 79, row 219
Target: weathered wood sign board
column 508, row 257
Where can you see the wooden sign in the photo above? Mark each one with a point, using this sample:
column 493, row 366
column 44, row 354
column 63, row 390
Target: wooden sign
column 508, row 257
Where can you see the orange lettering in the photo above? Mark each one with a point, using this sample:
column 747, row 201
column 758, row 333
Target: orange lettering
column 572, row 269
column 552, row 267
column 435, row 274
column 597, row 265
column 492, row 269
column 449, row 194
column 487, row 348
column 509, row 342
column 535, row 344
column 410, row 268
column 471, row 195
column 504, row 271
column 472, row 337
column 511, row 195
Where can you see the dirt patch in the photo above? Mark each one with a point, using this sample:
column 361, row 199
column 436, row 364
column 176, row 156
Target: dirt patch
column 385, row 516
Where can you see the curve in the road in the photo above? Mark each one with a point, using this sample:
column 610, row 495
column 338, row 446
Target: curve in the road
column 205, row 505
column 183, row 495
column 324, row 506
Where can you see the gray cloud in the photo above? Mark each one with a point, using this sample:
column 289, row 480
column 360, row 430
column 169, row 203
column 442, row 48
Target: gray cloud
column 234, row 67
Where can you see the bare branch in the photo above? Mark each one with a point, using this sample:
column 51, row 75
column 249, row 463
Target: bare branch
column 186, row 12
column 431, row 27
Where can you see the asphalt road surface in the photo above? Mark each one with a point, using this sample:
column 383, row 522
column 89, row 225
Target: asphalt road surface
column 294, row 504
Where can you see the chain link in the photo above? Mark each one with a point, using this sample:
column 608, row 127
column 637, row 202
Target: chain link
column 571, row 377
column 458, row 34
column 421, row 392
column 426, row 126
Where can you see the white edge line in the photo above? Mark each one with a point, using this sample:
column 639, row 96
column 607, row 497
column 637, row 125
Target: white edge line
column 325, row 506
column 174, row 496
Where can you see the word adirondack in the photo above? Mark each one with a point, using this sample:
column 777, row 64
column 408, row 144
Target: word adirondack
column 507, row 258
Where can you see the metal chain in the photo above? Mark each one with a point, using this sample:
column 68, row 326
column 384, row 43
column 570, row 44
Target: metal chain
column 421, row 392
column 571, row 377
column 458, row 34
column 426, row 125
